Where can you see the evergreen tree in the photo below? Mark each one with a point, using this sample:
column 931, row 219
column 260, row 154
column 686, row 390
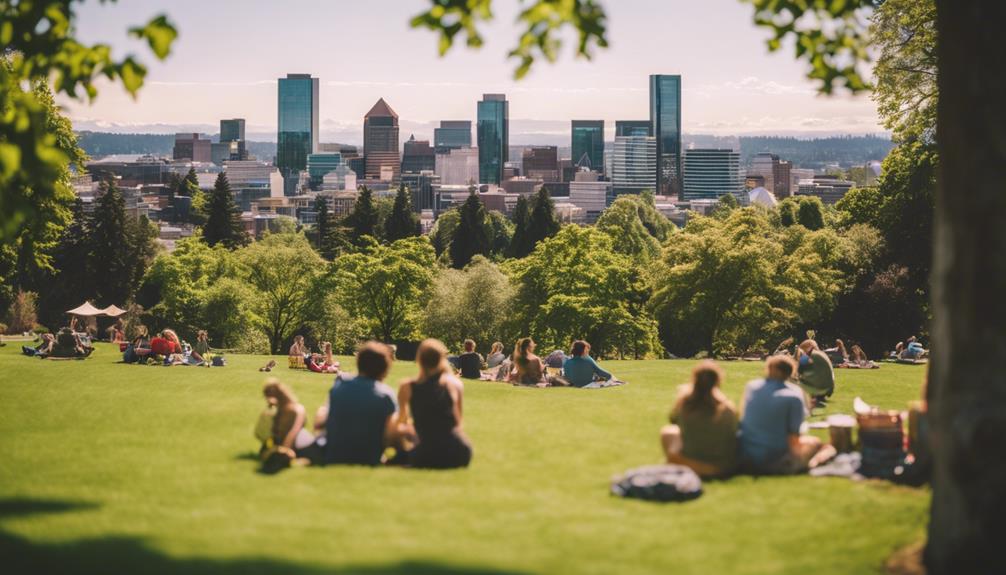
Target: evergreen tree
column 191, row 183
column 363, row 220
column 520, row 243
column 110, row 248
column 322, row 226
column 142, row 247
column 542, row 223
column 403, row 222
column 72, row 281
column 223, row 221
column 471, row 237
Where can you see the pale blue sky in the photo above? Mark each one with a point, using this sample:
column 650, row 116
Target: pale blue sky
column 230, row 52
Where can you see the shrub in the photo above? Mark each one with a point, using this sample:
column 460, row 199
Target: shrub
column 22, row 315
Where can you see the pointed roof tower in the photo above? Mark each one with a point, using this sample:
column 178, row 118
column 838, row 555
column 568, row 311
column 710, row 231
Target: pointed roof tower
column 381, row 110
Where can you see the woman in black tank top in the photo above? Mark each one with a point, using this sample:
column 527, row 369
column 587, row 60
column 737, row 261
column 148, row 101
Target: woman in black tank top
column 435, row 400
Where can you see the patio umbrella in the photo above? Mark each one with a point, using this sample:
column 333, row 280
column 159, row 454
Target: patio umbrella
column 113, row 311
column 85, row 309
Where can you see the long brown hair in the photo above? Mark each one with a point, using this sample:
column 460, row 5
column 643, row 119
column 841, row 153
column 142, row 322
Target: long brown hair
column 520, row 351
column 704, row 395
column 432, row 359
column 283, row 394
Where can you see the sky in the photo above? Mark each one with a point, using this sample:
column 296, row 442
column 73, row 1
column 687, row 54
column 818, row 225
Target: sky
column 229, row 54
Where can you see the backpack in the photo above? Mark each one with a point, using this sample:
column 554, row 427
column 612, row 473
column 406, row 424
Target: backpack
column 218, row 361
column 658, row 483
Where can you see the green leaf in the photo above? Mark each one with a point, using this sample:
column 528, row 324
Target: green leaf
column 159, row 34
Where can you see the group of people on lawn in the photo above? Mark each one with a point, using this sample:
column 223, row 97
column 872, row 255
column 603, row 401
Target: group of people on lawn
column 365, row 423
column 167, row 348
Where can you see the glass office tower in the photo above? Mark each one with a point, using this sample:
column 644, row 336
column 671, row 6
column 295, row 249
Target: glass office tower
column 588, row 140
column 452, row 135
column 629, row 128
column 665, row 118
column 298, row 126
column 711, row 173
column 493, row 137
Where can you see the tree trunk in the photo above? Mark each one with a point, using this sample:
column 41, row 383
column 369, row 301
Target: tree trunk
column 968, row 375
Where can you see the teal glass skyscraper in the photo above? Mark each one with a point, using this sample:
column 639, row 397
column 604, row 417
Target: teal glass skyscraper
column 588, row 144
column 665, row 116
column 493, row 137
column 298, row 126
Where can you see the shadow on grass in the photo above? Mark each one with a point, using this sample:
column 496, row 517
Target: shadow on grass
column 135, row 555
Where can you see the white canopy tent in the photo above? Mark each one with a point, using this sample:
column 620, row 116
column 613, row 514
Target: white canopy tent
column 86, row 310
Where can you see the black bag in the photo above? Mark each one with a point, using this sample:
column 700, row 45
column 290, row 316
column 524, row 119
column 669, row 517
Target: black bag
column 658, row 483
column 218, row 361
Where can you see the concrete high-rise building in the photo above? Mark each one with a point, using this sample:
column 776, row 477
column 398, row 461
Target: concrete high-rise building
column 589, row 193
column 458, row 167
column 418, row 156
column 451, row 135
column 776, row 174
column 633, row 128
column 380, row 142
column 634, row 164
column 192, row 147
column 665, row 117
column 830, row 189
column 710, row 173
column 297, row 135
column 587, row 141
column 320, row 164
column 541, row 162
column 493, row 137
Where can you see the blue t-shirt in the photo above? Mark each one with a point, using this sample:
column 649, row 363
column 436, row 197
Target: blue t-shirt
column 773, row 410
column 580, row 370
column 358, row 411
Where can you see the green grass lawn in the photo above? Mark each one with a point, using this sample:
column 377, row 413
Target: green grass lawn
column 112, row 468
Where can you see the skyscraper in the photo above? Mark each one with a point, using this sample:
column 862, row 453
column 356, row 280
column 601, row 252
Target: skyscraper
column 298, row 126
column 710, row 173
column 493, row 137
column 541, row 162
column 190, row 146
column 665, row 117
column 232, row 130
column 775, row 173
column 451, row 135
column 320, row 164
column 634, row 165
column 633, row 128
column 418, row 156
column 380, row 141
column 588, row 140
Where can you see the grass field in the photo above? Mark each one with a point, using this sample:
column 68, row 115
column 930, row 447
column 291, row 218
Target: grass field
column 112, row 468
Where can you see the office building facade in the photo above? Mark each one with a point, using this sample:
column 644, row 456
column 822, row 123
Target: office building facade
column 320, row 164
column 423, row 188
column 451, row 135
column 380, row 143
column 232, row 130
column 192, row 147
column 776, row 174
column 587, row 142
column 634, row 165
column 633, row 128
column 665, row 118
column 418, row 156
column 710, row 173
column 590, row 194
column 493, row 137
column 297, row 136
column 541, row 162
column 458, row 167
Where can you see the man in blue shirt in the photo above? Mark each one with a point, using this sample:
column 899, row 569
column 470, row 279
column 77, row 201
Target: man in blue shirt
column 361, row 411
column 580, row 369
column 770, row 440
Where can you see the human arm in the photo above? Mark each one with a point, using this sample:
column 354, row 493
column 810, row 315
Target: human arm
column 404, row 397
column 298, row 424
column 597, row 370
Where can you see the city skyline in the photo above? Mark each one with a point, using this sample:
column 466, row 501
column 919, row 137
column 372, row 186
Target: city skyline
column 731, row 86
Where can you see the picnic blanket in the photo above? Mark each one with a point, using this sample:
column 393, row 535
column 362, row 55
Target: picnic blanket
column 601, row 384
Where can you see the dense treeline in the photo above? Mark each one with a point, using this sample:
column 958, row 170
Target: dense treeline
column 816, row 153
column 99, row 144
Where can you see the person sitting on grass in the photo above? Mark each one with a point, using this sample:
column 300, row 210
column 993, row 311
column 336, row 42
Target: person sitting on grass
column 43, row 349
column 858, row 358
column 470, row 362
column 68, row 345
column 773, row 411
column 528, row 368
column 703, row 430
column 434, row 400
column 580, row 369
column 298, row 349
column 912, row 350
column 361, row 422
column 496, row 355
column 816, row 375
column 201, row 351
column 323, row 362
column 838, row 354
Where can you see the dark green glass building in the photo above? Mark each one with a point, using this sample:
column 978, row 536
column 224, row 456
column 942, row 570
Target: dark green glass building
column 633, row 128
column 298, row 126
column 588, row 144
column 665, row 117
column 493, row 137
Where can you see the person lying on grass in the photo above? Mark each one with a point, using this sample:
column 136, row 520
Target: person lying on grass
column 43, row 349
column 703, row 430
column 361, row 422
column 434, row 401
column 580, row 369
column 773, row 411
column 469, row 362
